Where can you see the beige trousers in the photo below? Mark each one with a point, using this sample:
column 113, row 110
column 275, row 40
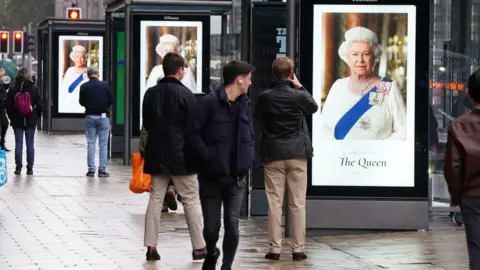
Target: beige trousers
column 187, row 187
column 293, row 174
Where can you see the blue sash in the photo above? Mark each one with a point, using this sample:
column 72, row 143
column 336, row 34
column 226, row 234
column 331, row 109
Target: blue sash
column 75, row 83
column 350, row 118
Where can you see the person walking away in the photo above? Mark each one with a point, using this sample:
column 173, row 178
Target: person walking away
column 3, row 117
column 165, row 110
column 24, row 108
column 285, row 147
column 97, row 98
column 462, row 169
column 220, row 138
column 170, row 196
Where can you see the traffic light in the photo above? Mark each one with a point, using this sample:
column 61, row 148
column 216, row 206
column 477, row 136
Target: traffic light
column 18, row 42
column 74, row 13
column 4, row 41
column 30, row 43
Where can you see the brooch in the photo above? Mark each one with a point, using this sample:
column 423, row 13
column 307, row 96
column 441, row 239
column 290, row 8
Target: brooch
column 364, row 124
column 375, row 98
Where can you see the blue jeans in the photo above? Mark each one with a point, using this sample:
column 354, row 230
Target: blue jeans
column 29, row 137
column 97, row 126
column 470, row 208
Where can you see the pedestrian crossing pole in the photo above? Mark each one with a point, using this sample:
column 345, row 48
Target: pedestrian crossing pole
column 291, row 53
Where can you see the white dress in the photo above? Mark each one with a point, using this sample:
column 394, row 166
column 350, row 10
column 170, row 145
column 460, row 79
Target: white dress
column 385, row 120
column 157, row 72
column 68, row 102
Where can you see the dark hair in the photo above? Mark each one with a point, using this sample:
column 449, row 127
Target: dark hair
column 171, row 63
column 282, row 67
column 474, row 86
column 234, row 69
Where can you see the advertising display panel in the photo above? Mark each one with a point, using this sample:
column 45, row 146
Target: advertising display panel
column 268, row 42
column 158, row 35
column 365, row 82
column 361, row 61
column 75, row 55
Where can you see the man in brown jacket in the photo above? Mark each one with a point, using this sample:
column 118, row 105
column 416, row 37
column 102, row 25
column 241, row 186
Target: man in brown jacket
column 462, row 169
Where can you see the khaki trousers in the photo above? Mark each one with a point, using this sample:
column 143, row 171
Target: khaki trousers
column 187, row 187
column 293, row 174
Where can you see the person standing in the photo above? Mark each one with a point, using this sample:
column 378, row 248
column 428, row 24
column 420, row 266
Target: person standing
column 97, row 98
column 220, row 138
column 24, row 108
column 285, row 147
column 462, row 170
column 3, row 116
column 165, row 110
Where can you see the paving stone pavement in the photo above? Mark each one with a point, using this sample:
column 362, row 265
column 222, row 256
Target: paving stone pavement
column 60, row 219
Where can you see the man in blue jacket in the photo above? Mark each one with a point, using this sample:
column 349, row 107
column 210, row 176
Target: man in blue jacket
column 97, row 98
column 220, row 138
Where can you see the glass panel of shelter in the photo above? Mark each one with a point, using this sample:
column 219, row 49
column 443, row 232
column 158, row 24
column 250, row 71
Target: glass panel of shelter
column 455, row 55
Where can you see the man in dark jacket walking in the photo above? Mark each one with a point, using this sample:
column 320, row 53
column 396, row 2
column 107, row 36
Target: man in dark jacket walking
column 165, row 110
column 285, row 147
column 220, row 137
column 462, row 169
column 97, row 98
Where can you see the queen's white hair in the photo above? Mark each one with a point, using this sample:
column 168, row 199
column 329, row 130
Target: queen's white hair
column 76, row 49
column 164, row 40
column 360, row 34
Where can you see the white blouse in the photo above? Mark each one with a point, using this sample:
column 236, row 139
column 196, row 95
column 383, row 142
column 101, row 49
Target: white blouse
column 157, row 72
column 386, row 120
column 68, row 102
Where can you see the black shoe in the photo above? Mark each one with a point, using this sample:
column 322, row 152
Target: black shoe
column 299, row 256
column 272, row 256
column 90, row 174
column 170, row 200
column 152, row 255
column 103, row 174
column 18, row 170
column 29, row 171
column 211, row 260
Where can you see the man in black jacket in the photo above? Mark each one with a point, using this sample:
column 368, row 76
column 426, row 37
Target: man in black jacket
column 97, row 98
column 165, row 110
column 220, row 135
column 285, row 147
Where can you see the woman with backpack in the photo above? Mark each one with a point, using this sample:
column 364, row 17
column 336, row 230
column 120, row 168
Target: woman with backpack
column 24, row 108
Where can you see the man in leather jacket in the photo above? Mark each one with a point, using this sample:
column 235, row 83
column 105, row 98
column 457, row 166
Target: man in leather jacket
column 462, row 170
column 285, row 147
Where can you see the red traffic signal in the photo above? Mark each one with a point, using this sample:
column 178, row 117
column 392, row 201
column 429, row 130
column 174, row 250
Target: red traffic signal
column 73, row 13
column 4, row 41
column 18, row 42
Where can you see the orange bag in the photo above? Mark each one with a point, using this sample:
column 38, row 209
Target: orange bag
column 140, row 182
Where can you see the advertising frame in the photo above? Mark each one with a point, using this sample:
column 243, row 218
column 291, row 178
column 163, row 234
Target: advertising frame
column 205, row 56
column 117, row 68
column 267, row 43
column 56, row 67
column 419, row 191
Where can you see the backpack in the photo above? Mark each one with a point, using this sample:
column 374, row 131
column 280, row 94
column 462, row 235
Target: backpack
column 23, row 103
